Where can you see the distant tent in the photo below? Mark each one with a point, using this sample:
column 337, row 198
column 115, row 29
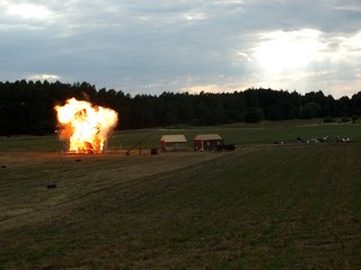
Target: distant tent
column 173, row 143
column 207, row 142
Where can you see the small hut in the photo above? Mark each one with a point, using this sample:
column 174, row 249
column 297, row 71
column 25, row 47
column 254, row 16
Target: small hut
column 208, row 142
column 173, row 143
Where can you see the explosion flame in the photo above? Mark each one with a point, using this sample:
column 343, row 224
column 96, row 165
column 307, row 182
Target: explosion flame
column 85, row 126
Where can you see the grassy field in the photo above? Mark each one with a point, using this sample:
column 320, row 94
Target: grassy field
column 239, row 134
column 263, row 206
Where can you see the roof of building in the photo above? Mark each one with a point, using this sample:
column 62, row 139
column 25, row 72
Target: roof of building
column 173, row 138
column 206, row 137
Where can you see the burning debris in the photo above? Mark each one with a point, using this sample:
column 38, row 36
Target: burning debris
column 85, row 126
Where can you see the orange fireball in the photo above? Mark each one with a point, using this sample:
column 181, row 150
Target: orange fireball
column 87, row 127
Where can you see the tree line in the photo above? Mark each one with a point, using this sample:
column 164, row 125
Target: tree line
column 26, row 107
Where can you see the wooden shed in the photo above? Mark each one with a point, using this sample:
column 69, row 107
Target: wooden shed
column 207, row 142
column 173, row 143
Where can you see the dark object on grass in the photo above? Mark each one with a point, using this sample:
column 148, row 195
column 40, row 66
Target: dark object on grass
column 229, row 147
column 3, row 166
column 154, row 151
column 329, row 119
column 354, row 118
column 51, row 186
column 303, row 140
column 279, row 142
column 226, row 147
column 78, row 160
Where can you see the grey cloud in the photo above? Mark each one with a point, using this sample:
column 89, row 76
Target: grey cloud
column 151, row 46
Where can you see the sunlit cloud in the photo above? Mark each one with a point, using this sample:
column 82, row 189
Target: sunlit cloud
column 43, row 77
column 244, row 56
column 353, row 44
column 197, row 16
column 221, row 84
column 303, row 60
column 29, row 11
column 280, row 50
column 196, row 89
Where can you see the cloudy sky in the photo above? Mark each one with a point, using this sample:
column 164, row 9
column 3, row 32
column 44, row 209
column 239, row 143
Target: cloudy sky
column 152, row 46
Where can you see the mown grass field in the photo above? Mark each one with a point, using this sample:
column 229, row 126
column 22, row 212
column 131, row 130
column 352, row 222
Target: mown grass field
column 263, row 206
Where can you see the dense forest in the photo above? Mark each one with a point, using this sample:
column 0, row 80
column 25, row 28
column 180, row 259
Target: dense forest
column 26, row 107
